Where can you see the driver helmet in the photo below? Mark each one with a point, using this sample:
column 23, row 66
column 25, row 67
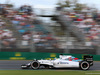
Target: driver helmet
column 70, row 58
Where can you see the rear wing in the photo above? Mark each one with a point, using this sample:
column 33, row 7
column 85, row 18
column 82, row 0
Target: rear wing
column 88, row 58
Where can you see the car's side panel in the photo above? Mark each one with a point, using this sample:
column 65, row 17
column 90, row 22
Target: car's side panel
column 46, row 62
column 65, row 64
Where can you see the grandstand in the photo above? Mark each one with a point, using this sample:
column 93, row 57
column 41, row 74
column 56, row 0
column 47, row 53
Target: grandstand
column 22, row 31
column 29, row 32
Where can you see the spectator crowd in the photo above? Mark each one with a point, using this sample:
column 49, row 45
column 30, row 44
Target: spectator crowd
column 6, row 36
column 28, row 26
column 88, row 23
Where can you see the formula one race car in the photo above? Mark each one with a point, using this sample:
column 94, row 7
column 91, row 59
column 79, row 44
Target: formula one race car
column 64, row 61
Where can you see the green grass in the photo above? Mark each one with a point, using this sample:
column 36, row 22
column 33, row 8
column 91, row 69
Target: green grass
column 47, row 72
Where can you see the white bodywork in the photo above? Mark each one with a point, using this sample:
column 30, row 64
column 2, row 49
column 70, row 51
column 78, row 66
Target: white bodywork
column 61, row 62
column 64, row 61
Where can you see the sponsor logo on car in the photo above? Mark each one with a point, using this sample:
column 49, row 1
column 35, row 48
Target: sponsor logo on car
column 63, row 63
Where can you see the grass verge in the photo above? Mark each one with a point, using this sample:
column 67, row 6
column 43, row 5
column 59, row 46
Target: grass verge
column 47, row 72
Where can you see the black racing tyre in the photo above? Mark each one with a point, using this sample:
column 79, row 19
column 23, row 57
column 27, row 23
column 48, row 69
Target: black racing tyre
column 84, row 65
column 35, row 65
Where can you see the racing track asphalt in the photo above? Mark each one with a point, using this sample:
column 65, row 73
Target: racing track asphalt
column 16, row 65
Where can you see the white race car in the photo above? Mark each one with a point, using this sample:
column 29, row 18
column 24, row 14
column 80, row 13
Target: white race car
column 64, row 61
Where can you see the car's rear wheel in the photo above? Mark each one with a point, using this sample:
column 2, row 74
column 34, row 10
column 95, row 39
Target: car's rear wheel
column 84, row 65
column 35, row 65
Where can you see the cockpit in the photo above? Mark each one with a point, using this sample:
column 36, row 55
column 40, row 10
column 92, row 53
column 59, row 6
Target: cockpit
column 69, row 58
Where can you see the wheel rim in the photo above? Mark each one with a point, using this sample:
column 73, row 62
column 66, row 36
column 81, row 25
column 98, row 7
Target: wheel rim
column 85, row 65
column 35, row 64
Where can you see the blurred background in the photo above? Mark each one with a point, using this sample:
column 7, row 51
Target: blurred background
column 55, row 26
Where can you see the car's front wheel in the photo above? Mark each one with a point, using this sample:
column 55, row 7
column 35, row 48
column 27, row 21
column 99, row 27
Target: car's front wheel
column 35, row 65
